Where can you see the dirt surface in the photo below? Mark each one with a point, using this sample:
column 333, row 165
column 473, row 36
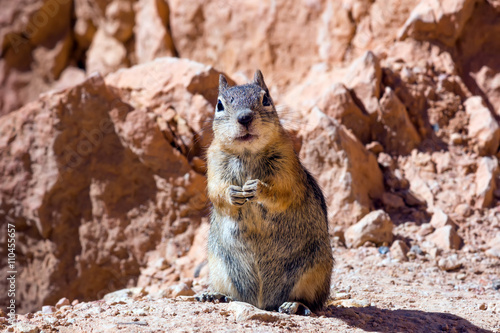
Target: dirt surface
column 371, row 292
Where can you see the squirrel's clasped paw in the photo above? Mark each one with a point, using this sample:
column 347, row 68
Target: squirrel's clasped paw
column 239, row 195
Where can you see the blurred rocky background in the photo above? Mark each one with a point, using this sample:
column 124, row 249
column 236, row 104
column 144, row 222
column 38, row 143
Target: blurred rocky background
column 105, row 111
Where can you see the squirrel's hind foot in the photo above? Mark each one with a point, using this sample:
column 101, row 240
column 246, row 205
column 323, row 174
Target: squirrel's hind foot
column 213, row 297
column 294, row 308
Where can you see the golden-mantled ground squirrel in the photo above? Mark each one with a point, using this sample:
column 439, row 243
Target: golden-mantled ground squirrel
column 268, row 243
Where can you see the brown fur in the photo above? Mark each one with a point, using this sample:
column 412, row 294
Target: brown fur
column 268, row 241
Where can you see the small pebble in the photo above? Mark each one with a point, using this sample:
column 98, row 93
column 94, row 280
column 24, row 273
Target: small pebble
column 48, row 309
column 399, row 250
column 65, row 308
column 463, row 210
column 369, row 244
column 339, row 296
column 417, row 250
column 139, row 312
column 495, row 284
column 426, row 229
column 483, row 306
column 449, row 263
column 181, row 289
column 62, row 302
column 383, row 249
column 434, row 252
column 456, row 138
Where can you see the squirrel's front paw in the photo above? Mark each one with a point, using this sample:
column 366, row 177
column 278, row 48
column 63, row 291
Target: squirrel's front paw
column 237, row 196
column 253, row 188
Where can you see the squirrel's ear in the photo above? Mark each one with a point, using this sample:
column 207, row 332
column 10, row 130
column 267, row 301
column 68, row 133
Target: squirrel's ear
column 222, row 83
column 258, row 78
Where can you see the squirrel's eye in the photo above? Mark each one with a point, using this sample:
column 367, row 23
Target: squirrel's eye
column 220, row 106
column 266, row 101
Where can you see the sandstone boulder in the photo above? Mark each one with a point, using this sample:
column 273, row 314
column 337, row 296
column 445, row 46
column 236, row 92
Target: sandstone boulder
column 449, row 263
column 479, row 58
column 393, row 128
column 106, row 54
column 337, row 103
column 442, row 21
column 392, row 200
column 266, row 36
column 88, row 15
column 346, row 171
column 426, row 229
column 119, row 20
column 260, row 35
column 377, row 23
column 62, row 302
column 181, row 289
column 446, row 238
column 442, row 160
column 363, row 77
column 375, row 227
column 152, row 35
column 486, row 174
column 35, row 46
column 70, row 77
column 421, row 191
column 440, row 219
column 183, row 118
column 483, row 129
column 399, row 249
column 96, row 187
column 494, row 247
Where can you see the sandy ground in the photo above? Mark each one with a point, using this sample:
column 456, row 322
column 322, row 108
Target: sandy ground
column 371, row 292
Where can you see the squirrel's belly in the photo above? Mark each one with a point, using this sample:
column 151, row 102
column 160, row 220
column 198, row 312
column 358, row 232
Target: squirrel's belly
column 253, row 217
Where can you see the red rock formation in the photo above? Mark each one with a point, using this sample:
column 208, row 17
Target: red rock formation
column 95, row 184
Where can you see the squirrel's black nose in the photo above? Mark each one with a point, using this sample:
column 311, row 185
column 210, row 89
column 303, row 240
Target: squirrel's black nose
column 245, row 118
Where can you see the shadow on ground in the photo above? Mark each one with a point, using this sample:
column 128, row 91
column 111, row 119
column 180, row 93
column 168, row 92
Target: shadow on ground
column 372, row 319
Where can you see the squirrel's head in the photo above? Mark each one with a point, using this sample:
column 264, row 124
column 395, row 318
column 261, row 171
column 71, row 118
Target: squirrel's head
column 245, row 116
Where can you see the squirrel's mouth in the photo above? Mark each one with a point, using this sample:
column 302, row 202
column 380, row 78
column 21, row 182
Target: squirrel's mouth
column 246, row 137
